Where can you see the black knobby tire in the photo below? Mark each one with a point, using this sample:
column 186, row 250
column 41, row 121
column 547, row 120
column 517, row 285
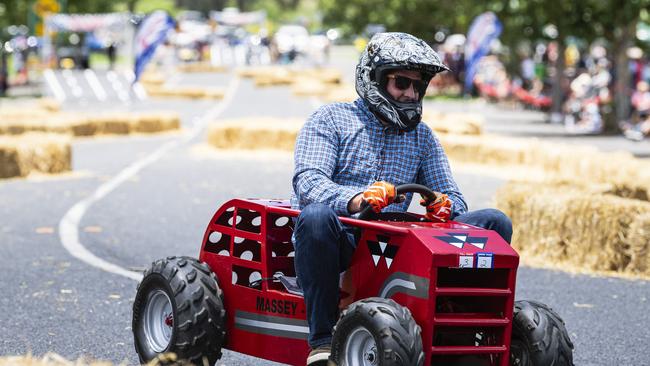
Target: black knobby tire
column 395, row 334
column 198, row 317
column 539, row 337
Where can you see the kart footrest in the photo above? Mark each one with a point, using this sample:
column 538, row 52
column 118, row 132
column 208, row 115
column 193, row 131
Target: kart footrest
column 291, row 284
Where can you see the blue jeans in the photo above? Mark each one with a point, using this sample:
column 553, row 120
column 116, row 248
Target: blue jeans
column 324, row 248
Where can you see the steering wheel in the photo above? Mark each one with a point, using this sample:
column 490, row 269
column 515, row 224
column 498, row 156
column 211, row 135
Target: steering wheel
column 368, row 213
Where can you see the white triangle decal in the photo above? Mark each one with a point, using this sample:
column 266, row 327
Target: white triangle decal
column 460, row 237
column 375, row 258
column 388, row 261
column 457, row 244
column 382, row 245
column 478, row 245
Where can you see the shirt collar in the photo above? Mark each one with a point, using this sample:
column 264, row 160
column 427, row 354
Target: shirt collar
column 373, row 121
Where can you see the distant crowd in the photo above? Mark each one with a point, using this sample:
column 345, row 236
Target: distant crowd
column 586, row 94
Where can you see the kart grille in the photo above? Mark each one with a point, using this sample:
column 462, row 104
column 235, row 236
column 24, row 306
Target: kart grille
column 472, row 316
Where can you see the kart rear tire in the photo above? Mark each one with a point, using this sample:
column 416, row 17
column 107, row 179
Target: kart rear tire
column 383, row 332
column 539, row 337
column 178, row 309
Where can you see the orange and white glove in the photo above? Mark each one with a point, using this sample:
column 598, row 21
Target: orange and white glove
column 438, row 209
column 379, row 195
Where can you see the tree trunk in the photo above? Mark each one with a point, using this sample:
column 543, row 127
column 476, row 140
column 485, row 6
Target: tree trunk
column 242, row 5
column 131, row 5
column 621, row 42
column 557, row 91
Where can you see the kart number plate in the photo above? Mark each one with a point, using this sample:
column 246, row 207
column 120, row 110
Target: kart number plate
column 484, row 260
column 466, row 261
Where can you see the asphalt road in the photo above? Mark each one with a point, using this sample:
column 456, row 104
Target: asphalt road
column 54, row 302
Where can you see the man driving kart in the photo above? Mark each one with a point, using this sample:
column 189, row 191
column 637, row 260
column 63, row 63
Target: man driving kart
column 350, row 153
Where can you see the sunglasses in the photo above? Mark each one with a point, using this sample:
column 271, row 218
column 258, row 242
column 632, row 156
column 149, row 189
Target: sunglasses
column 403, row 83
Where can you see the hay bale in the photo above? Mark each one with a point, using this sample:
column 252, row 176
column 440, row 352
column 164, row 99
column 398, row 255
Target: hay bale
column 200, row 67
column 152, row 78
column 325, row 75
column 577, row 228
column 304, row 86
column 255, row 71
column 49, row 104
column 341, row 93
column 255, row 133
column 570, row 162
column 155, row 122
column 38, row 121
column 455, row 123
column 49, row 359
column 274, row 77
column 189, row 92
column 20, row 155
column 638, row 241
column 112, row 123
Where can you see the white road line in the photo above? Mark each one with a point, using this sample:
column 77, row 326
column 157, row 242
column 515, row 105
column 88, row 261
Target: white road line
column 95, row 85
column 69, row 224
column 137, row 88
column 59, row 94
column 139, row 91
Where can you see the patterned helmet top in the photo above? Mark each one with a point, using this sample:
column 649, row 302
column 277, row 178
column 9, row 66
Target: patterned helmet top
column 391, row 51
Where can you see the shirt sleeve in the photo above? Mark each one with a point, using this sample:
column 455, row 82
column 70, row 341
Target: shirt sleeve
column 315, row 156
column 436, row 174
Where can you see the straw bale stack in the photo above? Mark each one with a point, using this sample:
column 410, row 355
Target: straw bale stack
column 455, row 123
column 325, row 75
column 274, row 77
column 153, row 122
column 307, row 86
column 49, row 359
column 341, row 93
column 571, row 162
column 200, row 67
column 20, row 155
column 254, row 71
column 150, row 78
column 255, row 133
column 578, row 228
column 49, row 104
column 189, row 92
column 88, row 125
column 638, row 240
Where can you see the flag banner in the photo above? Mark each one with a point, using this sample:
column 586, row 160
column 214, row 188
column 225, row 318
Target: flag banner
column 151, row 33
column 484, row 29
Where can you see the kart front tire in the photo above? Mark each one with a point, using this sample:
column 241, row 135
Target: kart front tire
column 377, row 331
column 539, row 337
column 178, row 309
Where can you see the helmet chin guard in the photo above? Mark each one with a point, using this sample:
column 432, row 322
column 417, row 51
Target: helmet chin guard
column 394, row 51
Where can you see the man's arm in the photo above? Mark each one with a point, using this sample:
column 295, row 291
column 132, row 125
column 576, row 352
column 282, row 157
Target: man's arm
column 436, row 174
column 315, row 156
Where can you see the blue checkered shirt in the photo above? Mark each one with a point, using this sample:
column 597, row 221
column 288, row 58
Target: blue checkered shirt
column 343, row 148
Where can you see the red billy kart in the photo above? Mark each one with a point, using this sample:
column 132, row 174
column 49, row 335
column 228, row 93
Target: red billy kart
column 416, row 293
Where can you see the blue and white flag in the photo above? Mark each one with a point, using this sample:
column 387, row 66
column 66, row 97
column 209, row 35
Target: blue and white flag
column 484, row 29
column 151, row 33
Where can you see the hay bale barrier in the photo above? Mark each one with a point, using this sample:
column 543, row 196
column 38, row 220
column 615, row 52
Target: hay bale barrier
column 184, row 92
column 572, row 227
column 569, row 162
column 119, row 123
column 255, row 133
column 53, row 359
column 47, row 153
column 454, row 123
column 192, row 67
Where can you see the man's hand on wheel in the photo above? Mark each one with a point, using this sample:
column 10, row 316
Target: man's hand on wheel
column 438, row 209
column 379, row 195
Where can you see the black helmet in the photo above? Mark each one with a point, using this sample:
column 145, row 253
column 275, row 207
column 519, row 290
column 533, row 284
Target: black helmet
column 395, row 51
